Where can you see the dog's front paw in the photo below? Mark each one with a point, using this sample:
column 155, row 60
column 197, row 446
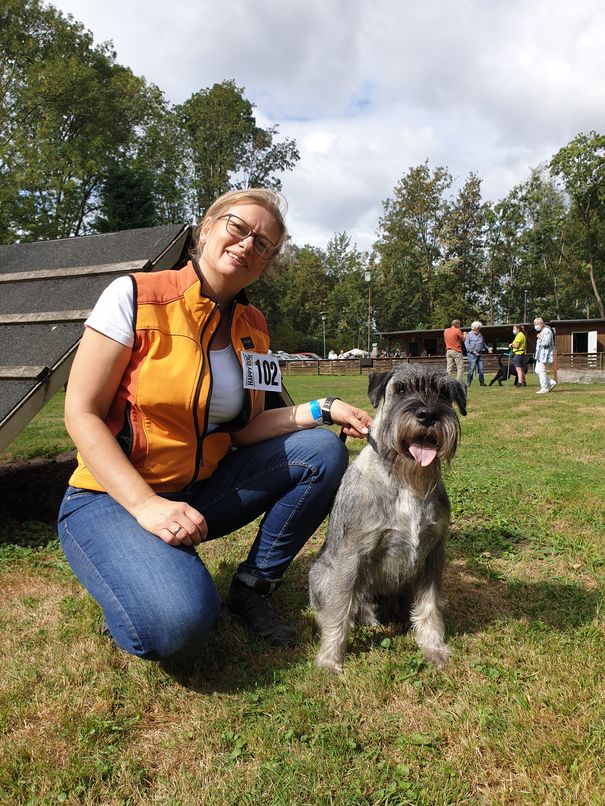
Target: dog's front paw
column 328, row 662
column 438, row 656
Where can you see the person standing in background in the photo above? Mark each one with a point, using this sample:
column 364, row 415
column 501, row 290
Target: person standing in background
column 475, row 345
column 543, row 355
column 517, row 346
column 454, row 339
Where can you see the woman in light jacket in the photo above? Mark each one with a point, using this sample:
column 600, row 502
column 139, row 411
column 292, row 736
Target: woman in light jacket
column 543, row 355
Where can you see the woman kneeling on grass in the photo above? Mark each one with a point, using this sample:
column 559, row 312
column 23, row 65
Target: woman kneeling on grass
column 155, row 403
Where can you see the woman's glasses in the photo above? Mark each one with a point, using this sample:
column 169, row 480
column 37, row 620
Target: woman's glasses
column 237, row 227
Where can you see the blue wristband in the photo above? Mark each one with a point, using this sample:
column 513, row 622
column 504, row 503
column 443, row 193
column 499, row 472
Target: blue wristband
column 316, row 411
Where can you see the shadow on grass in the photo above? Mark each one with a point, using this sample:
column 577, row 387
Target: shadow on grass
column 27, row 535
column 477, row 596
column 232, row 660
column 476, row 600
column 32, row 490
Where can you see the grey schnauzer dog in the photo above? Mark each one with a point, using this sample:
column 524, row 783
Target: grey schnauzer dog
column 383, row 558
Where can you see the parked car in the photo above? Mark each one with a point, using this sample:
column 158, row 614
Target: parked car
column 282, row 356
column 355, row 353
column 305, row 356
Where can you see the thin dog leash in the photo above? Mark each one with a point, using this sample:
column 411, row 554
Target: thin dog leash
column 371, row 441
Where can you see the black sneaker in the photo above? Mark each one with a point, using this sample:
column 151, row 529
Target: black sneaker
column 257, row 612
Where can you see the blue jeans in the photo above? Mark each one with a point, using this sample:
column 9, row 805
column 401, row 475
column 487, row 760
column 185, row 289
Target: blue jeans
column 474, row 361
column 159, row 601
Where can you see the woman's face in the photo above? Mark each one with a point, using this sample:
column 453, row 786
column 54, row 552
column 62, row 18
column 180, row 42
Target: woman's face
column 228, row 262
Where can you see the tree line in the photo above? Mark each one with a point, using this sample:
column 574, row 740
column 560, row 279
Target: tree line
column 87, row 146
column 443, row 255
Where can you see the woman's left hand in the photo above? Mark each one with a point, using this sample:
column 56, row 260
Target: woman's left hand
column 355, row 422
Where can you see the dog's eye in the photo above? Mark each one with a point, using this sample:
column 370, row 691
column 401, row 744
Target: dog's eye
column 400, row 389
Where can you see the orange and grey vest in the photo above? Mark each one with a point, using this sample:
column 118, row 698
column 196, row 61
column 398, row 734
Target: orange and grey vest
column 159, row 415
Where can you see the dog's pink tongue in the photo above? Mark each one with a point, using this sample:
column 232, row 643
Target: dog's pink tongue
column 423, row 453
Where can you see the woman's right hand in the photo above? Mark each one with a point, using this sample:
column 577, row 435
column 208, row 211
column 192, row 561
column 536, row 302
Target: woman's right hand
column 175, row 522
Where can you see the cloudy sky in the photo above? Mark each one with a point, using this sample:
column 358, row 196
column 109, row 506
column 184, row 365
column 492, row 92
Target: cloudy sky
column 370, row 89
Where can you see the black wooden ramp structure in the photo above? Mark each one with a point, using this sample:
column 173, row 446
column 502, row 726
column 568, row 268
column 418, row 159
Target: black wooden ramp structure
column 47, row 290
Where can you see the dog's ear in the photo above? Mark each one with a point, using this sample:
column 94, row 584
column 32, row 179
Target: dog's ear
column 459, row 395
column 377, row 383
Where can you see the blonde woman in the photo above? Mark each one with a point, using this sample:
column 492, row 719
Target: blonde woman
column 175, row 447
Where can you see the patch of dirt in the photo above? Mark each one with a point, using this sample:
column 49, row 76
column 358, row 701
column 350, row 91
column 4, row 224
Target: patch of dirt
column 32, row 490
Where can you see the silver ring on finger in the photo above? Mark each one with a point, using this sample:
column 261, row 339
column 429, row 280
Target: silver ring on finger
column 175, row 533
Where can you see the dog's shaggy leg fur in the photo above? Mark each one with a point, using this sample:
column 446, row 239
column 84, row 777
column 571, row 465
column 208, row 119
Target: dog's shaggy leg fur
column 335, row 617
column 334, row 631
column 427, row 612
column 429, row 627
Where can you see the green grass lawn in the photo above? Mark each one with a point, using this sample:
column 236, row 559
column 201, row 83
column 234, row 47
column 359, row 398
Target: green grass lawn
column 517, row 716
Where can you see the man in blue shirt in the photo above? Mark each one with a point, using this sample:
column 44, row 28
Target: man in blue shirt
column 475, row 346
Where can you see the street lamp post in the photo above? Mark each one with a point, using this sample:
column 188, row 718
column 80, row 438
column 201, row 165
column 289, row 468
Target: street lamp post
column 525, row 306
column 368, row 279
column 323, row 324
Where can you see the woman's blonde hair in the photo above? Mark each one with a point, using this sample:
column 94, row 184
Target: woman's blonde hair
column 271, row 200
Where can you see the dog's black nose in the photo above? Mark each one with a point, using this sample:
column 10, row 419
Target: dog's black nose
column 426, row 416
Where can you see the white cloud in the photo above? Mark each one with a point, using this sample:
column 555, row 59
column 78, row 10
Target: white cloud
column 370, row 89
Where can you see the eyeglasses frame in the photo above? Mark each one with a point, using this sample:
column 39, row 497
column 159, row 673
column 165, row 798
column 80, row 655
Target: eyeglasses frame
column 267, row 254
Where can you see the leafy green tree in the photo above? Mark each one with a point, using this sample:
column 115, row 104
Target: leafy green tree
column 347, row 313
column 506, row 224
column 68, row 110
column 307, row 290
column 126, row 200
column 347, row 300
column 461, row 287
column 160, row 153
column 531, row 244
column 227, row 149
column 309, row 283
column 262, row 156
column 581, row 166
column 217, row 122
column 409, row 251
column 291, row 297
column 144, row 185
column 545, row 239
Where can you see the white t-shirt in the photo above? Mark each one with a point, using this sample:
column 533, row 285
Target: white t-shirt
column 113, row 315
